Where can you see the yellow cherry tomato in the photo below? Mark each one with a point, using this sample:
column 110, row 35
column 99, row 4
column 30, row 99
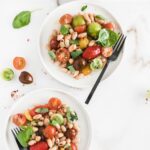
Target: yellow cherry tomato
column 83, row 43
column 27, row 115
column 86, row 70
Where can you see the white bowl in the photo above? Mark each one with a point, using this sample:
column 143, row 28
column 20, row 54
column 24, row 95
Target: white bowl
column 52, row 23
column 41, row 97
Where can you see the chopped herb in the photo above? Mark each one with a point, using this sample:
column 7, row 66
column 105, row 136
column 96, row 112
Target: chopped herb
column 99, row 17
column 74, row 42
column 71, row 69
column 71, row 115
column 52, row 55
column 42, row 110
column 84, row 8
column 76, row 53
column 64, row 29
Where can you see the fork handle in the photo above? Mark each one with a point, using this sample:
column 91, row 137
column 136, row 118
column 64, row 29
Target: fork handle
column 97, row 83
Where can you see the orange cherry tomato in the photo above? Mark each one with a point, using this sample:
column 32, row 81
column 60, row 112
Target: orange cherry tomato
column 110, row 26
column 19, row 119
column 80, row 29
column 62, row 55
column 54, row 103
column 107, row 51
column 49, row 131
column 65, row 19
column 19, row 63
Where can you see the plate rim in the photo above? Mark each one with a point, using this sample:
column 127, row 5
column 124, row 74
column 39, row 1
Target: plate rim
column 40, row 33
column 84, row 109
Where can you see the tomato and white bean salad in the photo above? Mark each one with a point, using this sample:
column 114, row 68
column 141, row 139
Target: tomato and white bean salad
column 83, row 43
column 52, row 126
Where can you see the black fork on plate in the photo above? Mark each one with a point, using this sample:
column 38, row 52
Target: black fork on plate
column 15, row 132
column 117, row 48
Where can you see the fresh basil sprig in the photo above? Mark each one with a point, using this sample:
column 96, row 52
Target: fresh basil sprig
column 22, row 19
column 107, row 38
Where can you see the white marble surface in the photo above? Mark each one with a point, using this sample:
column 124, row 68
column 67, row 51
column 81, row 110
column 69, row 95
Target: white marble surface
column 118, row 111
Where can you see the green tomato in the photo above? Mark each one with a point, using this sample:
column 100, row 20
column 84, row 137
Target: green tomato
column 93, row 29
column 96, row 64
column 58, row 118
column 78, row 21
column 8, row 74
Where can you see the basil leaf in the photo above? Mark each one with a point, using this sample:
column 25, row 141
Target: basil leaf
column 71, row 115
column 64, row 29
column 42, row 110
column 71, row 69
column 22, row 19
column 52, row 55
column 107, row 38
column 84, row 7
column 24, row 136
column 76, row 53
column 74, row 42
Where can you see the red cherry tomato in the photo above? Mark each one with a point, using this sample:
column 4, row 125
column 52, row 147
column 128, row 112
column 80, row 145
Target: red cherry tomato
column 54, row 103
column 54, row 43
column 71, row 133
column 32, row 111
column 49, row 131
column 19, row 63
column 19, row 119
column 110, row 26
column 62, row 55
column 74, row 146
column 39, row 146
column 80, row 29
column 107, row 51
column 91, row 52
column 66, row 19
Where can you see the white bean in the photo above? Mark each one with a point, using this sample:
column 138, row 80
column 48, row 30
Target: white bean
column 82, row 35
column 37, row 117
column 32, row 142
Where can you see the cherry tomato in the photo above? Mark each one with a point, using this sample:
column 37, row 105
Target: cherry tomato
column 54, row 103
column 66, row 19
column 19, row 63
column 39, row 146
column 62, row 55
column 54, row 43
column 71, row 133
column 49, row 131
column 91, row 52
column 80, row 29
column 74, row 146
column 110, row 26
column 107, row 51
column 19, row 119
column 32, row 111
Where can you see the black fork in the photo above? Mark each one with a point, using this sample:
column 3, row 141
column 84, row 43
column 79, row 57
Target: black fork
column 117, row 48
column 15, row 132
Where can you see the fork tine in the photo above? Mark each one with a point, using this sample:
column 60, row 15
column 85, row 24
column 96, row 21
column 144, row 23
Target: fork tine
column 118, row 42
column 120, row 36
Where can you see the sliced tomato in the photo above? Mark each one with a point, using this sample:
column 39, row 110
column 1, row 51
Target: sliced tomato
column 62, row 55
column 71, row 133
column 74, row 146
column 80, row 29
column 19, row 63
column 54, row 103
column 110, row 26
column 65, row 19
column 32, row 111
column 19, row 119
column 107, row 51
column 39, row 146
column 54, row 43
column 49, row 131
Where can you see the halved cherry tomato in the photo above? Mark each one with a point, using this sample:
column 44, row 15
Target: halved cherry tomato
column 107, row 51
column 54, row 103
column 91, row 52
column 49, row 131
column 39, row 146
column 19, row 119
column 54, row 43
column 66, row 19
column 32, row 111
column 80, row 29
column 74, row 146
column 19, row 63
column 71, row 133
column 62, row 55
column 110, row 26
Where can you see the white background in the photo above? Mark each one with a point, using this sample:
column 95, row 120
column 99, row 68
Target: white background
column 119, row 114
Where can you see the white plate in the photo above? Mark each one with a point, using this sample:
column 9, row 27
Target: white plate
column 51, row 23
column 41, row 97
